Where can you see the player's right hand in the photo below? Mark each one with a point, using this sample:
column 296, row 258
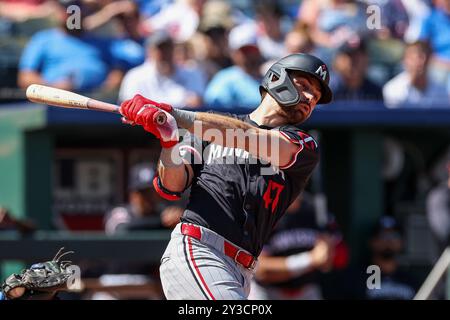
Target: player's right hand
column 142, row 111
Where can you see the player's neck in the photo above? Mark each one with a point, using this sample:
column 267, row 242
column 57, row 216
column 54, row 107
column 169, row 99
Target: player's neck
column 267, row 113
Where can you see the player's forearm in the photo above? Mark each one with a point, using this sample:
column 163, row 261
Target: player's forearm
column 276, row 269
column 234, row 133
column 171, row 170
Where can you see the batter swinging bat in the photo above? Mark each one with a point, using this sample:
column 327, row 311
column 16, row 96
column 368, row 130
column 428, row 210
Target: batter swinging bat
column 66, row 99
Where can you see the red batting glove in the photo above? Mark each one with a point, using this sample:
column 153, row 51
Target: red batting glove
column 130, row 108
column 142, row 111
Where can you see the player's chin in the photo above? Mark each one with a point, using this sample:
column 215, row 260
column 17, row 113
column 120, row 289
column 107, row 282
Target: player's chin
column 295, row 116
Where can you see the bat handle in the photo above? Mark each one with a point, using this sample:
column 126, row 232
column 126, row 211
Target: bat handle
column 93, row 104
column 159, row 118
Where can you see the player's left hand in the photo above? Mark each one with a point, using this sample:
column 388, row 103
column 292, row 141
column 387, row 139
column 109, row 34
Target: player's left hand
column 144, row 112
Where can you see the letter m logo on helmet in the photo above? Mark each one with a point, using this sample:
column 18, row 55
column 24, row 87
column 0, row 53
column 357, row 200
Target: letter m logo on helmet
column 322, row 72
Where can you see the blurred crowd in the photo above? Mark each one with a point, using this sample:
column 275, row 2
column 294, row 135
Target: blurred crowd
column 213, row 53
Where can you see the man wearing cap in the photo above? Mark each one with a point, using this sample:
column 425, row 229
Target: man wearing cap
column 243, row 172
column 144, row 210
column 351, row 82
column 237, row 86
column 159, row 78
column 69, row 57
column 386, row 245
column 141, row 209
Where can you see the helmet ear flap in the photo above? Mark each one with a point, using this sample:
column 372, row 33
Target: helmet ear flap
column 282, row 89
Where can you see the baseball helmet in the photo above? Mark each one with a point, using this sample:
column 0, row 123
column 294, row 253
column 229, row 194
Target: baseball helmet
column 141, row 177
column 282, row 88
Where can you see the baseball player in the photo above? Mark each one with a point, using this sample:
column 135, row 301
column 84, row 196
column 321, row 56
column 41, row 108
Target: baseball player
column 234, row 202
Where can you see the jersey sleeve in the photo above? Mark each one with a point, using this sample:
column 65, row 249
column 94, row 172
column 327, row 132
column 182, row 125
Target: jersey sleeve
column 191, row 149
column 307, row 155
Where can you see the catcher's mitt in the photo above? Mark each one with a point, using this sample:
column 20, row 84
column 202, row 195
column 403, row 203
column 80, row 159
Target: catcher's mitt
column 41, row 281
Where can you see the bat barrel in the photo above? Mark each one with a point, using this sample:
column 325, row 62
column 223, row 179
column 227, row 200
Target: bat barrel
column 66, row 99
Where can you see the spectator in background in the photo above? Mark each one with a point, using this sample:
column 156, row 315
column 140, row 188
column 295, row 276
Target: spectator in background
column 238, row 85
column 394, row 18
column 413, row 87
column 438, row 210
column 9, row 222
column 119, row 21
column 295, row 254
column 436, row 30
column 22, row 10
column 417, row 11
column 102, row 14
column 145, row 210
column 180, row 19
column 386, row 245
column 69, row 59
column 150, row 8
column 332, row 22
column 268, row 30
column 212, row 47
column 217, row 55
column 298, row 40
column 160, row 79
column 350, row 81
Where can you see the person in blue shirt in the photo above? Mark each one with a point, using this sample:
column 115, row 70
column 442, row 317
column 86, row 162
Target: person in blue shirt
column 237, row 86
column 436, row 30
column 120, row 20
column 69, row 59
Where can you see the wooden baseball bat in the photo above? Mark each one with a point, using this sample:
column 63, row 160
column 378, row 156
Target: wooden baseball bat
column 67, row 99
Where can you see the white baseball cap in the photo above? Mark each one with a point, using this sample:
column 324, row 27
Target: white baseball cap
column 243, row 35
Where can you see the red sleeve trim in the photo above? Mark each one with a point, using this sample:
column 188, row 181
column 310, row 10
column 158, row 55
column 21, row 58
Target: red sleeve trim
column 300, row 148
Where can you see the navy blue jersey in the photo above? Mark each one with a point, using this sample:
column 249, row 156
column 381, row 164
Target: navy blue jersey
column 233, row 194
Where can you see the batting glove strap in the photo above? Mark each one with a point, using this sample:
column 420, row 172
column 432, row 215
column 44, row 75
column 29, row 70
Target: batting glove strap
column 163, row 192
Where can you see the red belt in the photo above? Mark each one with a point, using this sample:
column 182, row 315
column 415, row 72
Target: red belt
column 235, row 253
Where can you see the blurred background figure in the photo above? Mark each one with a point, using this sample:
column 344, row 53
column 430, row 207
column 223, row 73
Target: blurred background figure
column 438, row 208
column 296, row 253
column 216, row 54
column 145, row 209
column 332, row 22
column 161, row 79
column 269, row 30
column 436, row 30
column 121, row 21
column 150, row 8
column 212, row 45
column 350, row 80
column 69, row 58
column 413, row 87
column 180, row 19
column 386, row 246
column 394, row 18
column 9, row 222
column 23, row 10
column 417, row 11
column 298, row 40
column 238, row 86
